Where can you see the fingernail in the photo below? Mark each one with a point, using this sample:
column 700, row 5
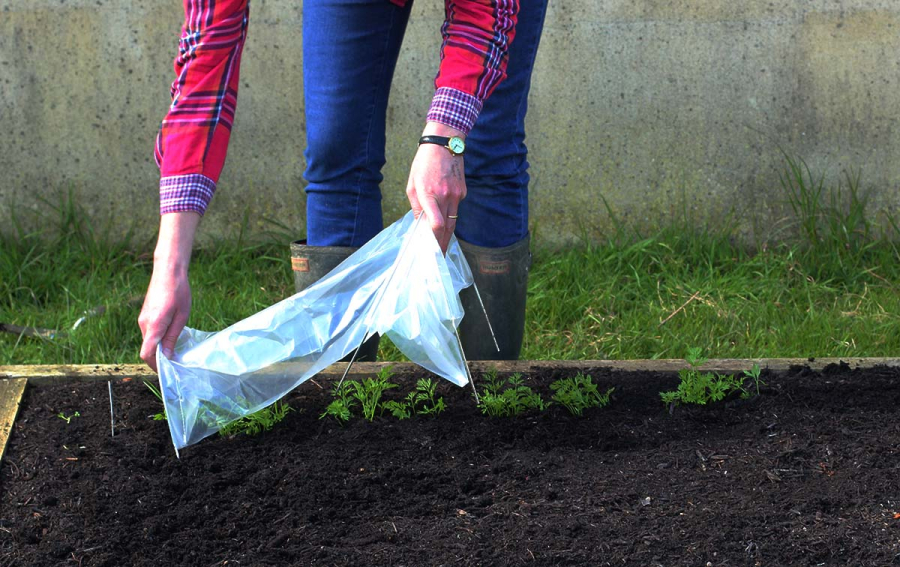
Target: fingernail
column 167, row 352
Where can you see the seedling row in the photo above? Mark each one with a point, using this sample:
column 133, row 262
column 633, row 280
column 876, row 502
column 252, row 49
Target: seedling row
column 498, row 397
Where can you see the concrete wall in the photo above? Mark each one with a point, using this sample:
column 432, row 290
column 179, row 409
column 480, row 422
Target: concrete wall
column 654, row 105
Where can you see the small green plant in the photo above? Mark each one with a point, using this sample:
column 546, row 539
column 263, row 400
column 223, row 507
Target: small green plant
column 68, row 418
column 257, row 422
column 230, row 416
column 579, row 393
column 753, row 374
column 420, row 401
column 508, row 398
column 341, row 407
column 216, row 416
column 425, row 402
column 366, row 393
column 369, row 391
column 157, row 416
column 698, row 387
column 400, row 410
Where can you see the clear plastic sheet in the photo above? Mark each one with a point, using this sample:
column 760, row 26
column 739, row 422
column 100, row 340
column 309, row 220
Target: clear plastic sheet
column 398, row 285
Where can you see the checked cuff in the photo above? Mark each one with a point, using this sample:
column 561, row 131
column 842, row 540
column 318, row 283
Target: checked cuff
column 454, row 108
column 181, row 193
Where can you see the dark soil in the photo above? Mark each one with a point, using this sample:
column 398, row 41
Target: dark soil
column 807, row 473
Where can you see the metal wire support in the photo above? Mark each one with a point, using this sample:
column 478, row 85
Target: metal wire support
column 349, row 364
column 112, row 413
column 468, row 370
column 379, row 297
column 486, row 318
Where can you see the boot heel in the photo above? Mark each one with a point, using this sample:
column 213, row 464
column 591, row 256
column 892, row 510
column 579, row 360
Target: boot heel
column 501, row 275
column 310, row 264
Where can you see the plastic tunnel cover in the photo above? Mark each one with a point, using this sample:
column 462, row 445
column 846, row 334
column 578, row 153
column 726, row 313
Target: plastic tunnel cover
column 399, row 285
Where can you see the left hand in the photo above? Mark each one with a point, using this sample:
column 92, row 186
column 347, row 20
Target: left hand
column 437, row 183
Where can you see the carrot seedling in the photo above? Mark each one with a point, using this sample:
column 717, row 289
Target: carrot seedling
column 508, row 398
column 420, row 401
column 341, row 407
column 369, row 391
column 579, row 393
column 257, row 422
column 700, row 388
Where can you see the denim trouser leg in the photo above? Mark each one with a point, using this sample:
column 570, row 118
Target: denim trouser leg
column 350, row 48
column 494, row 213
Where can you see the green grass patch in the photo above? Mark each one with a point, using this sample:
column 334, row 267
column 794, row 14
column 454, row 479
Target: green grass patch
column 831, row 288
column 662, row 295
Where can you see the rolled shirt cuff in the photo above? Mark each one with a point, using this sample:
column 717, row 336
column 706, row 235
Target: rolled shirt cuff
column 182, row 193
column 454, row 108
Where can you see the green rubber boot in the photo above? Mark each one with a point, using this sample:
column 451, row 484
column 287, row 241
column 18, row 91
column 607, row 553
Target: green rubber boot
column 501, row 276
column 312, row 263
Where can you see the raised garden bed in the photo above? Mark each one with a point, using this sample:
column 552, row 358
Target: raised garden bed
column 805, row 474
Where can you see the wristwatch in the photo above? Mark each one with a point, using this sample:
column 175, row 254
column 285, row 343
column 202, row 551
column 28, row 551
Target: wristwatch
column 455, row 145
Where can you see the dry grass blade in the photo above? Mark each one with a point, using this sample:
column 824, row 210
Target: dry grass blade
column 680, row 309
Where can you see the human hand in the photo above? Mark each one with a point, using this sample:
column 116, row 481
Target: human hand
column 164, row 314
column 168, row 301
column 437, row 183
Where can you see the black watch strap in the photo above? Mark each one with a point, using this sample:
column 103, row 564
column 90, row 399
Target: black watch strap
column 442, row 141
column 439, row 140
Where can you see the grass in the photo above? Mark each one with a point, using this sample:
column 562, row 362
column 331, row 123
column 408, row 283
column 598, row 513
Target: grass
column 49, row 280
column 830, row 288
column 663, row 295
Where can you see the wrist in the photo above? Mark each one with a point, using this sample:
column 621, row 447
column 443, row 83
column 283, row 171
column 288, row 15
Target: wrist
column 175, row 244
column 170, row 264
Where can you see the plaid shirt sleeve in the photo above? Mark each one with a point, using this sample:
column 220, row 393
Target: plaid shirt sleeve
column 476, row 38
column 193, row 137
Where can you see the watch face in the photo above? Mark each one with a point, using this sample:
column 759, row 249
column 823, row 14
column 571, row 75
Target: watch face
column 456, row 145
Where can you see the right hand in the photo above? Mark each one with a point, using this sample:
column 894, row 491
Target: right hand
column 165, row 313
column 437, row 183
column 168, row 301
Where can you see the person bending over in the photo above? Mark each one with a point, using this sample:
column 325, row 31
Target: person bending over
column 469, row 175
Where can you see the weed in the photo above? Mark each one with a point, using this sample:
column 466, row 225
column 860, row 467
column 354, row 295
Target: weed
column 508, row 398
column 698, row 387
column 753, row 374
column 832, row 220
column 157, row 416
column 420, row 401
column 67, row 418
column 579, row 393
column 257, row 422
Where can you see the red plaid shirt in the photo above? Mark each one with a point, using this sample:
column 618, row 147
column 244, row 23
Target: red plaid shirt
column 193, row 137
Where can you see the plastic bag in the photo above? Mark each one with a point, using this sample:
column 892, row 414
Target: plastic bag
column 398, row 285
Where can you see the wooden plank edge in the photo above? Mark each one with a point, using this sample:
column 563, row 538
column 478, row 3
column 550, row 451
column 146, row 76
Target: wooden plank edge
column 67, row 374
column 10, row 401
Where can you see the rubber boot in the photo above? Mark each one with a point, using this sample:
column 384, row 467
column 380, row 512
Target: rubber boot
column 312, row 263
column 501, row 275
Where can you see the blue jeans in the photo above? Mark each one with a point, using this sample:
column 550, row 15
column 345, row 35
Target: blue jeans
column 350, row 49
